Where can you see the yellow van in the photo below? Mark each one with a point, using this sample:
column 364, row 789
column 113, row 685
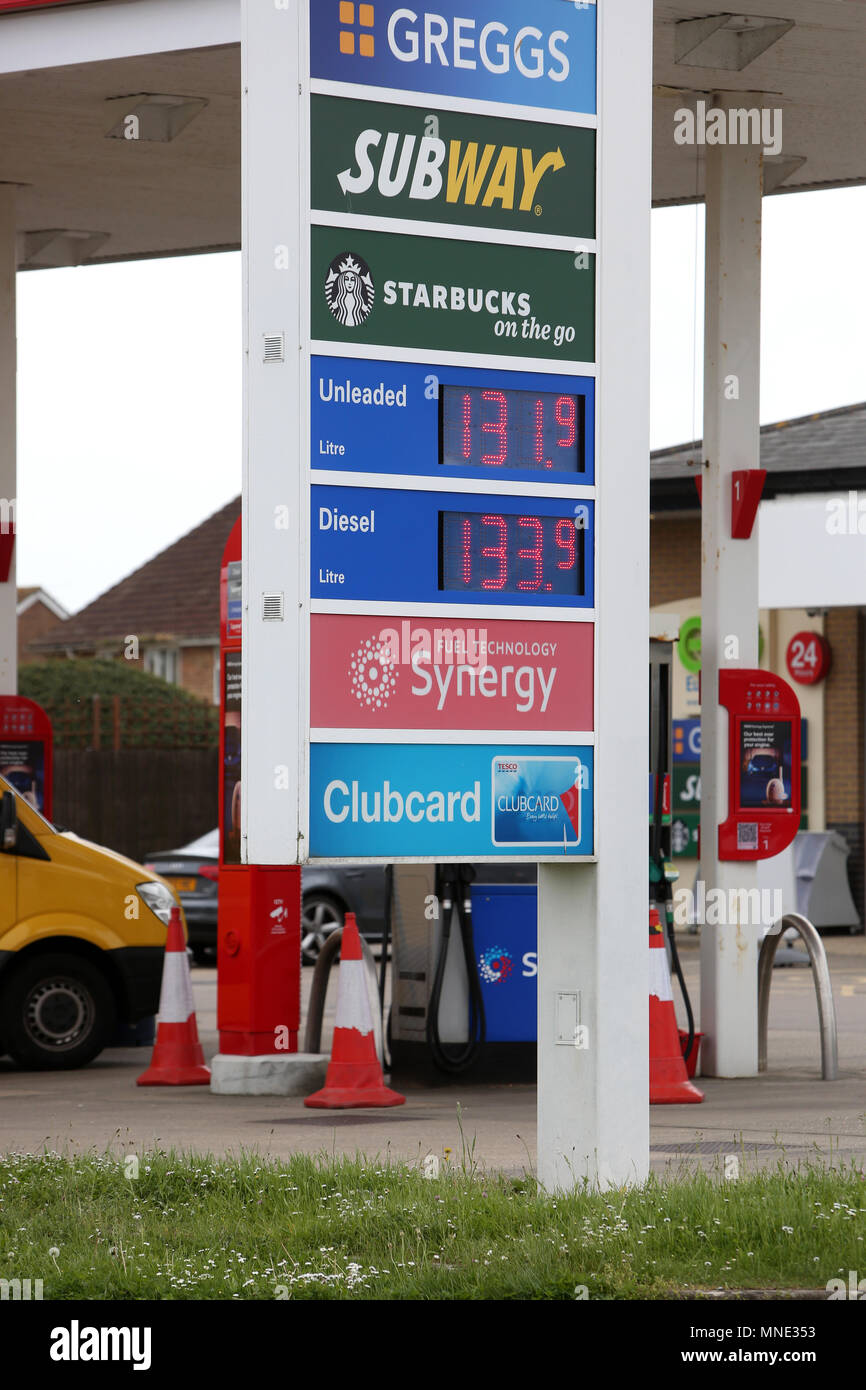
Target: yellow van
column 82, row 939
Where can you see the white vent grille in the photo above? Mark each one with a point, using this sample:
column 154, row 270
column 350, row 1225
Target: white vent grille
column 272, row 608
column 275, row 347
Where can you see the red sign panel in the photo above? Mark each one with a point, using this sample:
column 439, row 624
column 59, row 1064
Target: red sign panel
column 808, row 658
column 382, row 673
column 6, row 5
column 26, row 750
column 764, row 742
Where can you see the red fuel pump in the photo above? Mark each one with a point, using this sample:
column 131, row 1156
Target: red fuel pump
column 764, row 741
column 259, row 923
column 26, row 750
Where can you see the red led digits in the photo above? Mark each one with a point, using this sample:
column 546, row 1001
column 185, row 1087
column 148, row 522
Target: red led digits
column 467, row 552
column 511, row 553
column 539, row 437
column 507, row 428
column 499, row 427
column 534, row 553
column 566, row 416
column 564, row 535
column 467, row 426
column 496, row 552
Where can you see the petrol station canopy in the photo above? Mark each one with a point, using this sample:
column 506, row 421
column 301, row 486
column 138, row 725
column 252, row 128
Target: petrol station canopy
column 69, row 72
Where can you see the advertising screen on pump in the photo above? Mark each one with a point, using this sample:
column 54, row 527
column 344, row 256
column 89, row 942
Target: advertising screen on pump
column 451, row 389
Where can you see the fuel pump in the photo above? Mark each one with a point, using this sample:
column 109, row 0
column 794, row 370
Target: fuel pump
column 661, row 877
column 464, row 955
column 463, row 971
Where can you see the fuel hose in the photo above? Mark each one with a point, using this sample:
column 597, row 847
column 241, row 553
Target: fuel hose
column 657, row 869
column 453, row 891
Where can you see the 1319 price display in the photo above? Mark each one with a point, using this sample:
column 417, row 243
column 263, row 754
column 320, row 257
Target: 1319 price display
column 496, row 552
column 487, row 427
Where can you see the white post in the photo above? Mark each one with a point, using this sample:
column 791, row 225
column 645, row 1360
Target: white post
column 8, row 484
column 593, row 1102
column 275, row 520
column 729, row 581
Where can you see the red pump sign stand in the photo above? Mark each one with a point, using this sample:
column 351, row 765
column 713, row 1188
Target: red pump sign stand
column 764, row 742
column 259, row 925
column 26, row 750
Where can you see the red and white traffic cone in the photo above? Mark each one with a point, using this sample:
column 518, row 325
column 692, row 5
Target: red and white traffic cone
column 669, row 1083
column 354, row 1079
column 177, row 1056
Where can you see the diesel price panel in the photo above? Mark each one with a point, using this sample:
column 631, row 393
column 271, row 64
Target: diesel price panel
column 389, row 543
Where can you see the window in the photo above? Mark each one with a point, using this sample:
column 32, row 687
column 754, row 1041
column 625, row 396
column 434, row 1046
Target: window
column 162, row 662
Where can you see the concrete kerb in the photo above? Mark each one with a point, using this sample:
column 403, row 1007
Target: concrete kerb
column 296, row 1074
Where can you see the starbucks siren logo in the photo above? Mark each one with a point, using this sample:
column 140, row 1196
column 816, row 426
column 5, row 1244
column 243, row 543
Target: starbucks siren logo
column 349, row 290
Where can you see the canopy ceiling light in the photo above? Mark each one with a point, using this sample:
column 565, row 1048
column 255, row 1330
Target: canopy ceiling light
column 728, row 41
column 151, row 116
column 57, row 247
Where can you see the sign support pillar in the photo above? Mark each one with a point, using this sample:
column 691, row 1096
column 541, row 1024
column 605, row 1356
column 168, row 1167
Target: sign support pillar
column 8, row 442
column 729, row 582
column 593, row 1092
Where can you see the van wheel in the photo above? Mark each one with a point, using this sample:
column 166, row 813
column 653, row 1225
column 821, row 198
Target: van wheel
column 58, row 1012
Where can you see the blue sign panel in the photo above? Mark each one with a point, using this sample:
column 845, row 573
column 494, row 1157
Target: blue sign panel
column 459, row 801
column 687, row 740
column 505, row 932
column 452, row 422
column 538, row 54
column 435, row 547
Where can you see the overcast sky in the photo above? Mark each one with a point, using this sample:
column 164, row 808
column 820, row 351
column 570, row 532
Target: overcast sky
column 129, row 382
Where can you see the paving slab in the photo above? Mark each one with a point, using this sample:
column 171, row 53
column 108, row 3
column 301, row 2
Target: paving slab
column 787, row 1115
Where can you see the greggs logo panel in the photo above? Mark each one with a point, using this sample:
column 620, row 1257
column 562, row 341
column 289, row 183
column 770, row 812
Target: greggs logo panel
column 540, row 55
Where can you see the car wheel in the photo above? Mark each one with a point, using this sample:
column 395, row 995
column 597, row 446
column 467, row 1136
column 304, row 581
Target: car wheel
column 58, row 1011
column 320, row 915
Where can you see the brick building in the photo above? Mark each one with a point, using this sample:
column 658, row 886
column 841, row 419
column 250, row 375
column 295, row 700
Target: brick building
column 170, row 605
column 809, row 581
column 38, row 614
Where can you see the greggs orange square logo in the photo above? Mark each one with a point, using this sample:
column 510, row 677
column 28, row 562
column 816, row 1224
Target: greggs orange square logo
column 356, row 18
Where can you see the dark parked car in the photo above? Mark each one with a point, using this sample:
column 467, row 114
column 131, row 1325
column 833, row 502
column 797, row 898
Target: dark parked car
column 328, row 893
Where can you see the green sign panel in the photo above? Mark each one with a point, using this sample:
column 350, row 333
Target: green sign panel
column 687, row 786
column 684, row 834
column 456, row 296
column 444, row 166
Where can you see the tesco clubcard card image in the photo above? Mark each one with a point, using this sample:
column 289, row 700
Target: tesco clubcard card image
column 537, row 800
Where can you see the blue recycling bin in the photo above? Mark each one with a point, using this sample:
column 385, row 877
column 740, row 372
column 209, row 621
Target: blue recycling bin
column 505, row 930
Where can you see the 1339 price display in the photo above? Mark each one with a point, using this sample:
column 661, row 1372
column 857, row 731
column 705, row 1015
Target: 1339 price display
column 500, row 552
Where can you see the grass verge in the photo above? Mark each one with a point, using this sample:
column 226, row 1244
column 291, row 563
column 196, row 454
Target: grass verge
column 166, row 1225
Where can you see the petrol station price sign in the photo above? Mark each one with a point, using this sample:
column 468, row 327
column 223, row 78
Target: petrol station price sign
column 389, row 544
column 452, row 422
column 452, row 402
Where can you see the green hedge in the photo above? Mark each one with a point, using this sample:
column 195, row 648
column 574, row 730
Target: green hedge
column 150, row 713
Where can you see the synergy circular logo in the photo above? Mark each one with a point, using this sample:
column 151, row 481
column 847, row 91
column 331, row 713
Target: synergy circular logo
column 373, row 677
column 495, row 964
column 349, row 290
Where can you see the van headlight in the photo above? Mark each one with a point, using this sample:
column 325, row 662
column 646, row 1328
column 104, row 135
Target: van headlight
column 158, row 898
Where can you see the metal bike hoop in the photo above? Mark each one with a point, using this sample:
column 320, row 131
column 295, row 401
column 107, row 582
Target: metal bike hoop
column 823, row 989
